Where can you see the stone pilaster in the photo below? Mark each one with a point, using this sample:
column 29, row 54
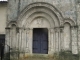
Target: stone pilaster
column 13, row 37
column 67, row 37
column 7, row 40
column 13, row 40
column 74, row 40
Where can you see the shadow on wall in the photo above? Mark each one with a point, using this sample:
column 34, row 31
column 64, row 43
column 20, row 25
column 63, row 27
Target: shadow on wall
column 68, row 56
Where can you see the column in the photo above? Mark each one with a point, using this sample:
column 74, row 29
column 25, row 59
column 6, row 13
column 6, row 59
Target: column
column 61, row 39
column 49, row 41
column 52, row 40
column 23, row 41
column 17, row 38
column 20, row 39
column 21, row 54
column 59, row 35
column 57, row 39
column 27, row 47
column 27, row 40
column 30, row 42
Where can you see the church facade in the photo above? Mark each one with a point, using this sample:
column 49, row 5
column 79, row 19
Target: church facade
column 42, row 27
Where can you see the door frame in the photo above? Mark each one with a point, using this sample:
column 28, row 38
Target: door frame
column 51, row 49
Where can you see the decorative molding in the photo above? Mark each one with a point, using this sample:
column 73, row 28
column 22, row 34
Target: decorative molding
column 57, row 29
column 12, row 23
column 76, row 26
column 46, row 7
column 70, row 21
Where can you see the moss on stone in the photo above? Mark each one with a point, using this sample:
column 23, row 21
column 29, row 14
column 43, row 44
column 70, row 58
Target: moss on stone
column 57, row 56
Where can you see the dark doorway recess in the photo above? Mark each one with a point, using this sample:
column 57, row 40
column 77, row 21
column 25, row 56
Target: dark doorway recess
column 2, row 42
column 40, row 40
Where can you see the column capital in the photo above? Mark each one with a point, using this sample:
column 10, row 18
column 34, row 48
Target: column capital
column 76, row 26
column 61, row 28
column 51, row 30
column 27, row 30
column 7, row 28
column 17, row 29
column 56, row 29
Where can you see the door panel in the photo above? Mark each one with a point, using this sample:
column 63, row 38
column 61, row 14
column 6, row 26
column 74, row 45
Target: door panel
column 40, row 40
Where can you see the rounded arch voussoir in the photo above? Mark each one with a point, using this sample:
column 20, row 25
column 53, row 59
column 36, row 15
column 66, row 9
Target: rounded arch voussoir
column 49, row 7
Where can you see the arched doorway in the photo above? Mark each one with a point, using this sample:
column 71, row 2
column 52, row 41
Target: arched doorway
column 40, row 16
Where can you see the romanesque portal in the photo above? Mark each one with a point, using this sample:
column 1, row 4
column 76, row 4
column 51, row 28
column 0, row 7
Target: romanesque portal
column 41, row 29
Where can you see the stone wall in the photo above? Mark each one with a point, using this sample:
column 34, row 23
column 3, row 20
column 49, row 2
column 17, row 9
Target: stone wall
column 66, row 7
column 61, row 17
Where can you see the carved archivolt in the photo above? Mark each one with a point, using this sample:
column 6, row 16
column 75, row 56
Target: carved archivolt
column 71, row 22
column 45, row 10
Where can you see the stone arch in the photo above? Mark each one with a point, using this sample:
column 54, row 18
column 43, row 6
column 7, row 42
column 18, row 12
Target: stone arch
column 11, row 23
column 70, row 21
column 41, row 7
column 43, row 15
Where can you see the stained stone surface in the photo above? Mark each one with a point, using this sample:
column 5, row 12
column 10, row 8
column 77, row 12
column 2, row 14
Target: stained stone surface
column 66, row 7
column 60, row 17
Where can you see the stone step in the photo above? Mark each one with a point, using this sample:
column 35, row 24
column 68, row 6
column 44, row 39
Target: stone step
column 38, row 59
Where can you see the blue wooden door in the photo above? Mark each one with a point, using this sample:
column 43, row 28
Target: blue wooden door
column 40, row 40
